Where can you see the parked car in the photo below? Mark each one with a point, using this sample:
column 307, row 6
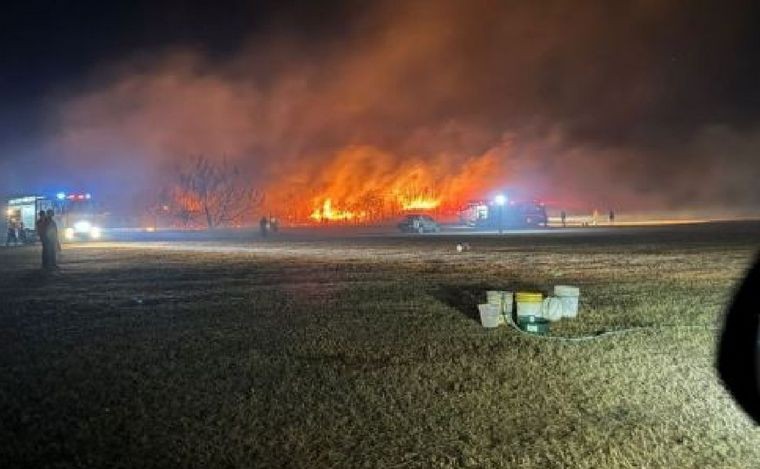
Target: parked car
column 419, row 224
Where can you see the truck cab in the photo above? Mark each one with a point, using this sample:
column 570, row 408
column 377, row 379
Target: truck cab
column 79, row 217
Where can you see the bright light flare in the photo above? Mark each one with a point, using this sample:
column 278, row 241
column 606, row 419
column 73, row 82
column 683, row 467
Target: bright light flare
column 68, row 233
column 500, row 199
column 95, row 232
column 83, row 226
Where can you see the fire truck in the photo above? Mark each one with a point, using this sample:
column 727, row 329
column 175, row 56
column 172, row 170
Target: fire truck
column 76, row 215
column 512, row 214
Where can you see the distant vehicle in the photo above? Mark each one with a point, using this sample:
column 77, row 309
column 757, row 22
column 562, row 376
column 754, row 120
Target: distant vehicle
column 24, row 210
column 419, row 224
column 76, row 215
column 487, row 214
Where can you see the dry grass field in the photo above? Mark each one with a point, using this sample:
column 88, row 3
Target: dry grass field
column 366, row 352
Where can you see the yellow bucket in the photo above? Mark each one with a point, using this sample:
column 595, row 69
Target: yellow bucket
column 529, row 297
column 529, row 303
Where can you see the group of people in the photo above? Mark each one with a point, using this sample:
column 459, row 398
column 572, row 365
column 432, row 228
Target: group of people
column 16, row 233
column 267, row 224
column 47, row 229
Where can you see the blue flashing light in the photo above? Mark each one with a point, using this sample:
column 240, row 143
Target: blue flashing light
column 60, row 195
column 88, row 196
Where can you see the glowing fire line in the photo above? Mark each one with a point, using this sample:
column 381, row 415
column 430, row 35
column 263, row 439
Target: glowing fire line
column 327, row 212
column 420, row 203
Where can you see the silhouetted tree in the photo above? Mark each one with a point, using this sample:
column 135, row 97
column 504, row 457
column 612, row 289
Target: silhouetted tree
column 215, row 192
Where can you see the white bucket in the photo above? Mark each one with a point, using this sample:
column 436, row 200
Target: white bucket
column 502, row 298
column 569, row 297
column 552, row 309
column 490, row 315
column 494, row 297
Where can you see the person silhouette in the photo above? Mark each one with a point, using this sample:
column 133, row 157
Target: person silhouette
column 12, row 236
column 40, row 227
column 51, row 236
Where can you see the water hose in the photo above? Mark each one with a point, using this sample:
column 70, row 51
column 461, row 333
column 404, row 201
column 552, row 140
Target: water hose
column 600, row 335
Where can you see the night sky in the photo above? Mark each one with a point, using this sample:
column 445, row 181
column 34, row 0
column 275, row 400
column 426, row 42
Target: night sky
column 644, row 105
column 49, row 49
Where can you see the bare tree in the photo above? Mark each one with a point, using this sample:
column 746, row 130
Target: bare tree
column 216, row 192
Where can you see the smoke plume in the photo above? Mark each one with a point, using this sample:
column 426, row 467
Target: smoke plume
column 593, row 105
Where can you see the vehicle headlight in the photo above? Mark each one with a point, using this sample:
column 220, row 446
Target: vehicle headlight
column 94, row 232
column 68, row 233
column 82, row 226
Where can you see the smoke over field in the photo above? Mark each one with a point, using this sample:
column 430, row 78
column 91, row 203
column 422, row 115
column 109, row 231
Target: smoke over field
column 428, row 104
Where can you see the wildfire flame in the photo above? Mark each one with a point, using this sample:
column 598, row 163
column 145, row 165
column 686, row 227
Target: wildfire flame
column 420, row 203
column 363, row 184
column 327, row 212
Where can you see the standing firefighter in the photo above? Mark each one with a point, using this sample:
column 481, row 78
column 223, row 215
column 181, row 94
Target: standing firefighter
column 264, row 226
column 51, row 238
column 563, row 216
column 41, row 228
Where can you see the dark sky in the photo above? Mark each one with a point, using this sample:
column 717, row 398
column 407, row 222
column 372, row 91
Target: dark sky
column 659, row 99
column 48, row 48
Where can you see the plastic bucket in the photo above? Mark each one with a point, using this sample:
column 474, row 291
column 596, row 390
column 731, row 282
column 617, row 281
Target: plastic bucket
column 528, row 303
column 490, row 315
column 552, row 309
column 494, row 297
column 502, row 298
column 569, row 297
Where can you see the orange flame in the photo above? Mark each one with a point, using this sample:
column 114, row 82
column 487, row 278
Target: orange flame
column 326, row 212
column 420, row 203
column 363, row 184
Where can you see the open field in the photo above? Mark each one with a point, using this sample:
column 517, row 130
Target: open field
column 364, row 352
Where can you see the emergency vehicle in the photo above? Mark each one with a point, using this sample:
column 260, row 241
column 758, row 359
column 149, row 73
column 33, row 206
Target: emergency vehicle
column 76, row 215
column 514, row 214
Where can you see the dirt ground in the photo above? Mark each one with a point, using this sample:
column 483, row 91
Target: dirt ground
column 365, row 351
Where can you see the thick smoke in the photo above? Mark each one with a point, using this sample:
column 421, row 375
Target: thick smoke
column 593, row 105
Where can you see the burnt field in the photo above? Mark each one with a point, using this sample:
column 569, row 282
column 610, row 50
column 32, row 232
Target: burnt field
column 365, row 350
